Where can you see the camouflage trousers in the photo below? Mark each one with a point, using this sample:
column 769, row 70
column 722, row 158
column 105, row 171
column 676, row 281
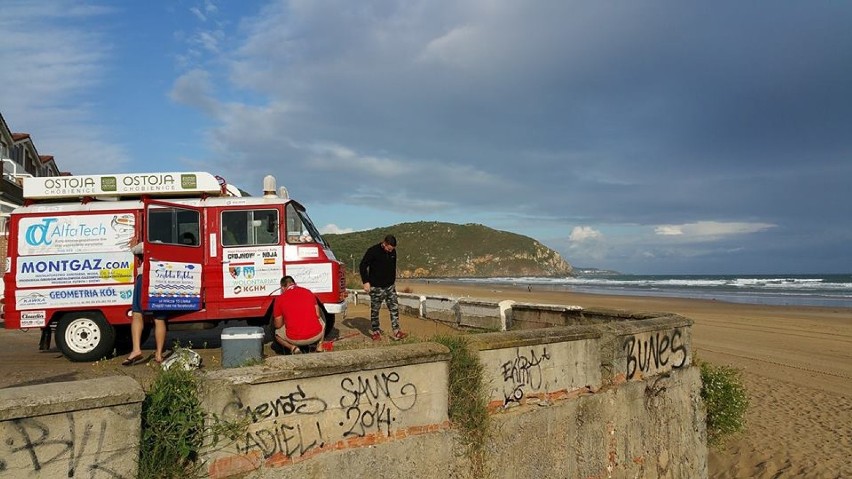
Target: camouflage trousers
column 384, row 295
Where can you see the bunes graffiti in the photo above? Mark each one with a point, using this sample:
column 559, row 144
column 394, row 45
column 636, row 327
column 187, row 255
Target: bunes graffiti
column 655, row 352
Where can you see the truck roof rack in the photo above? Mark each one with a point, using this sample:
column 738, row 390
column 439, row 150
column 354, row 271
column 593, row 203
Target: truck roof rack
column 124, row 185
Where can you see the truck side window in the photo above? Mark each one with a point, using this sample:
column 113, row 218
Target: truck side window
column 173, row 226
column 249, row 227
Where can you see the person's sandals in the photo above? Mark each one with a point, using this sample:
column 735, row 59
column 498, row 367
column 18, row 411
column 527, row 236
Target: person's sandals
column 376, row 335
column 398, row 335
column 133, row 361
column 165, row 356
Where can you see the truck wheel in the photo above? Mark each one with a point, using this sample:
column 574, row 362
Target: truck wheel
column 85, row 336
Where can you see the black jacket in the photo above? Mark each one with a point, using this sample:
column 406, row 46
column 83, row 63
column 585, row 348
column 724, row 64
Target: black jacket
column 378, row 267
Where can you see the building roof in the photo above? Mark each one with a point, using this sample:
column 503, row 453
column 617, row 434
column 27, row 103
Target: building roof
column 20, row 136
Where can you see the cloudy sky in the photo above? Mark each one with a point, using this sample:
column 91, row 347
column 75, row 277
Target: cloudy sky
column 647, row 137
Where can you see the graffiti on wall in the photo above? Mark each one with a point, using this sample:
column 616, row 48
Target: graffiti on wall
column 64, row 446
column 372, row 402
column 523, row 373
column 304, row 418
column 655, row 352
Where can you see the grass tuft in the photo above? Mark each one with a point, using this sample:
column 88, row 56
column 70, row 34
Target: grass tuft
column 175, row 427
column 468, row 400
column 172, row 426
column 725, row 399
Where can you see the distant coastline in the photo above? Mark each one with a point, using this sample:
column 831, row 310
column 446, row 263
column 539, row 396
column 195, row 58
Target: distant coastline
column 834, row 290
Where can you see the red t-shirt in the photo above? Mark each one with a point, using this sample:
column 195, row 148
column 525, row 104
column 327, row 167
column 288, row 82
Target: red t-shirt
column 298, row 307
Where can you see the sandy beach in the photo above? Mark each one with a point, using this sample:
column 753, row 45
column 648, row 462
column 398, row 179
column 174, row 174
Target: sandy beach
column 796, row 363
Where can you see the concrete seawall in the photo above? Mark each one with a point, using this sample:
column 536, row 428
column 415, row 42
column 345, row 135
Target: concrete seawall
column 571, row 393
column 85, row 428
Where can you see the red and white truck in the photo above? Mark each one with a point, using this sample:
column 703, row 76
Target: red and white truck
column 210, row 255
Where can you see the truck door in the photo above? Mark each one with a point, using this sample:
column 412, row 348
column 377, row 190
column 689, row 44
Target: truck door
column 173, row 257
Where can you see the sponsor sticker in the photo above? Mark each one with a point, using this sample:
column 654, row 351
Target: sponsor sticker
column 85, row 233
column 308, row 252
column 33, row 319
column 174, row 286
column 248, row 272
column 316, row 277
column 74, row 269
column 31, row 299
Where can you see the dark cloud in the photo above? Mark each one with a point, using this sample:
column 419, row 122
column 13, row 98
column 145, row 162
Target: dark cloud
column 590, row 113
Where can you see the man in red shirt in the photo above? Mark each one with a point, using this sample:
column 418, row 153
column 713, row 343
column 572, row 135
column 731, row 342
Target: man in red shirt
column 297, row 317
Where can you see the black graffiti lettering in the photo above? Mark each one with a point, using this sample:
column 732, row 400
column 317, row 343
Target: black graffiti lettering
column 514, row 396
column 525, row 370
column 664, row 346
column 289, row 440
column 379, row 387
column 629, row 344
column 263, row 440
column 30, row 444
column 296, row 402
column 522, row 371
column 43, row 451
column 364, row 420
column 654, row 352
column 644, row 365
column 97, row 463
column 287, row 437
column 680, row 348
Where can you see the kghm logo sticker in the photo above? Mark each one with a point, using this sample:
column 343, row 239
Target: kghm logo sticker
column 36, row 235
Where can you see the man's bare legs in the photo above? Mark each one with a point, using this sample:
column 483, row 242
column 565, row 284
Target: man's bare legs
column 159, row 338
column 137, row 323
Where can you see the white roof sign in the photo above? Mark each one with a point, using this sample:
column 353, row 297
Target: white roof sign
column 130, row 184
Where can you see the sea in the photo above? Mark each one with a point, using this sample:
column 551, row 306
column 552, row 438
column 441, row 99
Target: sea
column 829, row 290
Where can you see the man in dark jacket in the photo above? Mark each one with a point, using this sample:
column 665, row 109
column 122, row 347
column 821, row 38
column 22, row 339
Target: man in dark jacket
column 378, row 273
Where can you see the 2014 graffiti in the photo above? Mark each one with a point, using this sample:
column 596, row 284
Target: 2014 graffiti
column 369, row 402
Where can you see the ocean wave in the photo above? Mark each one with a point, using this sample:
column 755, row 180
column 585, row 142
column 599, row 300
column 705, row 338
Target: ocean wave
column 814, row 290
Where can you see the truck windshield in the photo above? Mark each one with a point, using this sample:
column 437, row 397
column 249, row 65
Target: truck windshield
column 300, row 229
